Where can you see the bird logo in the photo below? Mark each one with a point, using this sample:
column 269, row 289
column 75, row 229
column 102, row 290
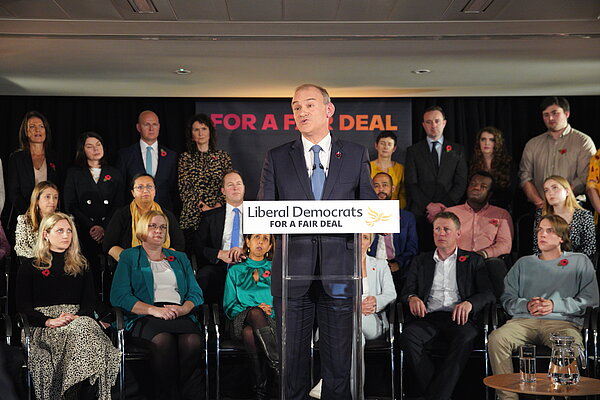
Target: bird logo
column 375, row 217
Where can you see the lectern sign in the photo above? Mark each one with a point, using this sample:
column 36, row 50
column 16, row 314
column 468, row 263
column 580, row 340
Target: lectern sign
column 325, row 216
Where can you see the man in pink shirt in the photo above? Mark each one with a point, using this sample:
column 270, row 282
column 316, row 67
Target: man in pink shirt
column 486, row 229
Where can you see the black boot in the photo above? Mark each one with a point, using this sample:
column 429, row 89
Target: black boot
column 260, row 377
column 268, row 342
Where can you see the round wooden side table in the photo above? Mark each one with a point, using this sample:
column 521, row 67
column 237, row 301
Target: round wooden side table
column 543, row 386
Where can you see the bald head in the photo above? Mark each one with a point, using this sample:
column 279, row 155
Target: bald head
column 148, row 126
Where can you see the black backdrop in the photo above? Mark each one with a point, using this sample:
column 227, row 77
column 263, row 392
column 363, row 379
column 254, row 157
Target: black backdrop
column 115, row 117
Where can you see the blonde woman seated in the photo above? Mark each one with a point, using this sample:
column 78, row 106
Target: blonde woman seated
column 55, row 289
column 559, row 200
column 43, row 202
column 249, row 305
column 378, row 292
column 157, row 289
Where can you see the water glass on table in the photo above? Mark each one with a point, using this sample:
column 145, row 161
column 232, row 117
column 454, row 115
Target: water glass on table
column 527, row 363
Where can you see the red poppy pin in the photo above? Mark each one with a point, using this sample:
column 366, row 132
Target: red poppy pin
column 463, row 258
column 266, row 274
column 597, row 157
column 494, row 222
column 171, row 258
column 52, row 165
column 163, row 153
column 46, row 272
column 338, row 155
column 107, row 178
column 213, row 157
column 563, row 151
column 563, row 262
column 448, row 148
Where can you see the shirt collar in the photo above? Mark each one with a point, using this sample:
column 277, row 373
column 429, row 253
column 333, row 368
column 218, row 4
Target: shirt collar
column 430, row 141
column 325, row 143
column 229, row 208
column 452, row 257
column 144, row 145
column 470, row 209
column 567, row 131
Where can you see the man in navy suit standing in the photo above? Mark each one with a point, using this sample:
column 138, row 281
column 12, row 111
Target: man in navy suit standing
column 316, row 166
column 147, row 156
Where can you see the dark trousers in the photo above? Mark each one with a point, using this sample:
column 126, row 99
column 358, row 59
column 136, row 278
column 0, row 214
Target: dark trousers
column 459, row 338
column 211, row 279
column 334, row 318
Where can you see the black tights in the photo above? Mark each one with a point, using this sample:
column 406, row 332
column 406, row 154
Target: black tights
column 176, row 366
column 255, row 319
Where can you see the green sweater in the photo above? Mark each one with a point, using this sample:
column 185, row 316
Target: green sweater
column 242, row 292
column 571, row 287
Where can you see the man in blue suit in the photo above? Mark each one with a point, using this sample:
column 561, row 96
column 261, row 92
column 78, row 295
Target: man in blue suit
column 147, row 156
column 397, row 249
column 316, row 166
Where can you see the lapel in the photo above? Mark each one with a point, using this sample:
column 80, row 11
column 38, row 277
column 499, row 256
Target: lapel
column 461, row 272
column 160, row 166
column 335, row 166
column 299, row 162
column 428, row 273
column 28, row 168
column 445, row 154
column 136, row 157
column 219, row 226
column 424, row 148
column 146, row 272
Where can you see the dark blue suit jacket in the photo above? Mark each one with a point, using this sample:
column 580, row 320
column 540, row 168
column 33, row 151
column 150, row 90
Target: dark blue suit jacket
column 405, row 242
column 284, row 177
column 130, row 163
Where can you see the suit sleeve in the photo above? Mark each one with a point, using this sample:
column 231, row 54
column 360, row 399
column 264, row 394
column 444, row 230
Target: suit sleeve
column 193, row 292
column 459, row 184
column 202, row 241
column 114, row 231
column 17, row 200
column 388, row 290
column 411, row 286
column 411, row 247
column 365, row 185
column 121, row 292
column 267, row 188
column 417, row 200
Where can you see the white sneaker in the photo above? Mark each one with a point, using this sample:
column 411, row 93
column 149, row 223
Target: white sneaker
column 315, row 392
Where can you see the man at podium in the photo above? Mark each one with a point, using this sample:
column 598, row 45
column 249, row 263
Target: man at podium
column 316, row 166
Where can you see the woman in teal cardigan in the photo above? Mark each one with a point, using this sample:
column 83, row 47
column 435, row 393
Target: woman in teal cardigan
column 157, row 289
column 249, row 305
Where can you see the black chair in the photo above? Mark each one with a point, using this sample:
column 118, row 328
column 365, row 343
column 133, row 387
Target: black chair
column 225, row 345
column 523, row 242
column 132, row 351
column 5, row 267
column 23, row 323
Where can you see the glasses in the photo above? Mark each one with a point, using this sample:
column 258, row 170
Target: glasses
column 142, row 187
column 154, row 226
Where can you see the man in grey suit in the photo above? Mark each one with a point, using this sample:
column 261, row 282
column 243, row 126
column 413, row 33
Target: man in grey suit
column 316, row 166
column 436, row 174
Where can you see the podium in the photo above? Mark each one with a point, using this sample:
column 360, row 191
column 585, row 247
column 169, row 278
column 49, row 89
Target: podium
column 296, row 222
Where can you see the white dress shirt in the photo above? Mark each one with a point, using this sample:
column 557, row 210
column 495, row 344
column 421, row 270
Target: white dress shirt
column 324, row 154
column 229, row 213
column 444, row 293
column 144, row 146
column 381, row 251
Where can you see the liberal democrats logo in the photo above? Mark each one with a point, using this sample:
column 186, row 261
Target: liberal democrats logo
column 375, row 217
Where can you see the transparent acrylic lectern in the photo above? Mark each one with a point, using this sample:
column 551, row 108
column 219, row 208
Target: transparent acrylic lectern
column 355, row 281
column 319, row 219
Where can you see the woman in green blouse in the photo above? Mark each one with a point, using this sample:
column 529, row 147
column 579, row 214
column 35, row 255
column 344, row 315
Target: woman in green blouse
column 249, row 305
